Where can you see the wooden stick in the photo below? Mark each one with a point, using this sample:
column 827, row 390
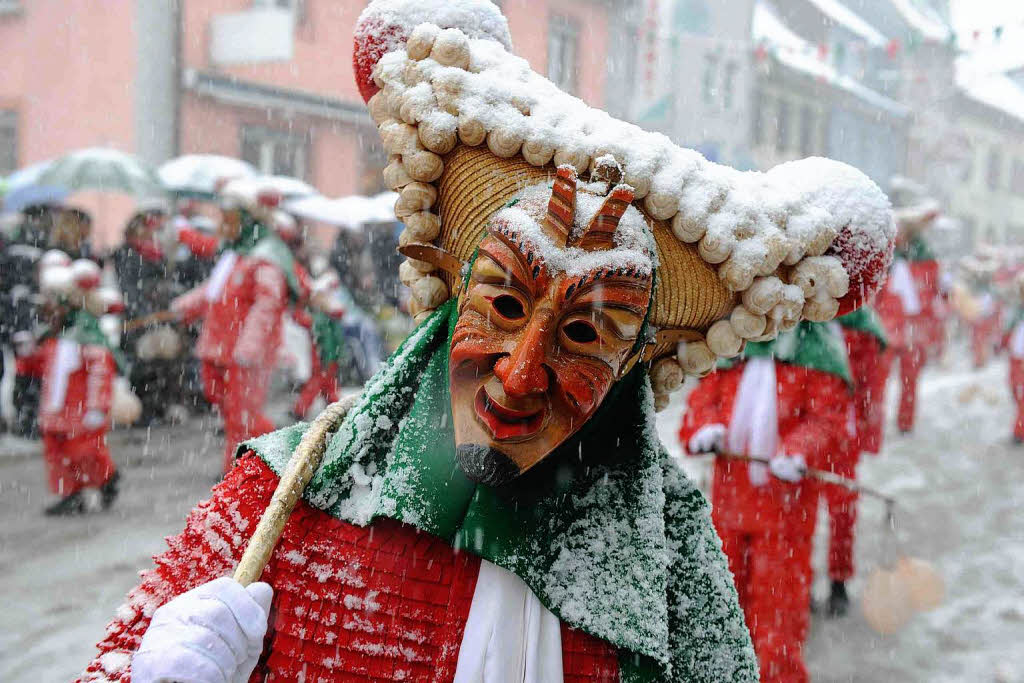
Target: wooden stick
column 303, row 464
column 146, row 320
column 820, row 475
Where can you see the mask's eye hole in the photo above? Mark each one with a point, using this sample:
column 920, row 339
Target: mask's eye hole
column 580, row 332
column 508, row 307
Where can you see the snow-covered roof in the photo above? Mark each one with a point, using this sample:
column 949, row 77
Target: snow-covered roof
column 923, row 19
column 992, row 88
column 844, row 16
column 800, row 55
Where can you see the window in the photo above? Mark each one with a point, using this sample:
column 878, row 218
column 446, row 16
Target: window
column 1017, row 177
column 807, row 131
column 8, row 141
column 782, row 125
column 708, row 82
column 729, row 84
column 275, row 152
column 563, row 39
column 994, row 174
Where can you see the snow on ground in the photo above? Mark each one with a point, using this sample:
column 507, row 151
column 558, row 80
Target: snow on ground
column 957, row 477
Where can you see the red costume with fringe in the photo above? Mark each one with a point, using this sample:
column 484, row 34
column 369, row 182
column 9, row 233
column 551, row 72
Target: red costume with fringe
column 378, row 603
column 767, row 530
column 864, row 430
column 238, row 344
column 75, row 453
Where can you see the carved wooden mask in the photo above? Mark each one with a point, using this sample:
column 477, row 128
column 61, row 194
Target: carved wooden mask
column 535, row 350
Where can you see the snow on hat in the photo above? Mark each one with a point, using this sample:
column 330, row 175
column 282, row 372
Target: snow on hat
column 252, row 195
column 56, row 280
column 741, row 256
column 286, row 226
column 86, row 274
column 104, row 301
column 54, row 257
column 385, row 25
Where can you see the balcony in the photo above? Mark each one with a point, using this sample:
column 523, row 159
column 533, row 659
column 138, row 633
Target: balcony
column 260, row 34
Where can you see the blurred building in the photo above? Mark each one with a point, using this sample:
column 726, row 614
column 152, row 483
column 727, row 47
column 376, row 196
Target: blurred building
column 988, row 194
column 815, row 95
column 696, row 75
column 268, row 81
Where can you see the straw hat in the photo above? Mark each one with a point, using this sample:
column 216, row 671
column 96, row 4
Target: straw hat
column 468, row 126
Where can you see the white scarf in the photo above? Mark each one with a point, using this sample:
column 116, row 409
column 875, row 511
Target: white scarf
column 67, row 359
column 1017, row 341
column 754, row 427
column 510, row 637
column 901, row 283
column 219, row 275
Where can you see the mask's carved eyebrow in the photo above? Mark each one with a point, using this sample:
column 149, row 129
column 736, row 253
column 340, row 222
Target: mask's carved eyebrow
column 609, row 290
column 506, row 260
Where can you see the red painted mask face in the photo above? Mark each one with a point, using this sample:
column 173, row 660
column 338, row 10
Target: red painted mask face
column 535, row 352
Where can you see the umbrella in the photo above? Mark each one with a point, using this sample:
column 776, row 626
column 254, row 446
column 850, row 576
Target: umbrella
column 24, row 189
column 197, row 175
column 98, row 168
column 289, row 187
column 348, row 212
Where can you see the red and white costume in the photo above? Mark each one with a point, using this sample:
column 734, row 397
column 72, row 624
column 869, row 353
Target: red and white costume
column 77, row 387
column 985, row 328
column 1015, row 347
column 911, row 307
column 767, row 524
column 241, row 305
column 397, row 613
column 864, row 430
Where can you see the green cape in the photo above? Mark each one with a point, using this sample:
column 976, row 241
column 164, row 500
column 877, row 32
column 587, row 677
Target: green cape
column 328, row 338
column 865, row 319
column 83, row 327
column 808, row 345
column 607, row 531
column 917, row 249
column 1016, row 316
column 258, row 241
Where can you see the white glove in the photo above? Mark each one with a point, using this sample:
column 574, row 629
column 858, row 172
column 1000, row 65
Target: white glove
column 211, row 634
column 791, row 468
column 707, row 439
column 94, row 419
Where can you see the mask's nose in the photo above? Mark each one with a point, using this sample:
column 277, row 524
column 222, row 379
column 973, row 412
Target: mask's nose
column 522, row 372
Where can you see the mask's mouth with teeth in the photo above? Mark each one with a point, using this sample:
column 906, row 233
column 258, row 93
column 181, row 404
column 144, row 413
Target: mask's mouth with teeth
column 509, row 419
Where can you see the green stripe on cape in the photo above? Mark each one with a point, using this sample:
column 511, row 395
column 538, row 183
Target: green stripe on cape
column 810, row 345
column 607, row 531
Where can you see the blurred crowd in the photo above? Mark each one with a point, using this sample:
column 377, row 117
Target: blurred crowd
column 171, row 314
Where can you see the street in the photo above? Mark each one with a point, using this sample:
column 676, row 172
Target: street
column 957, row 480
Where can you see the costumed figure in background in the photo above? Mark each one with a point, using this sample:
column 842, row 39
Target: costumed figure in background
column 866, row 342
column 911, row 304
column 984, row 313
column 21, row 318
column 18, row 299
column 241, row 305
column 155, row 351
column 77, row 367
column 496, row 505
column 1015, row 346
column 327, row 344
column 786, row 402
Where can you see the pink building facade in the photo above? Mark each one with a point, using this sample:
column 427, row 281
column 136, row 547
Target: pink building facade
column 268, row 81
